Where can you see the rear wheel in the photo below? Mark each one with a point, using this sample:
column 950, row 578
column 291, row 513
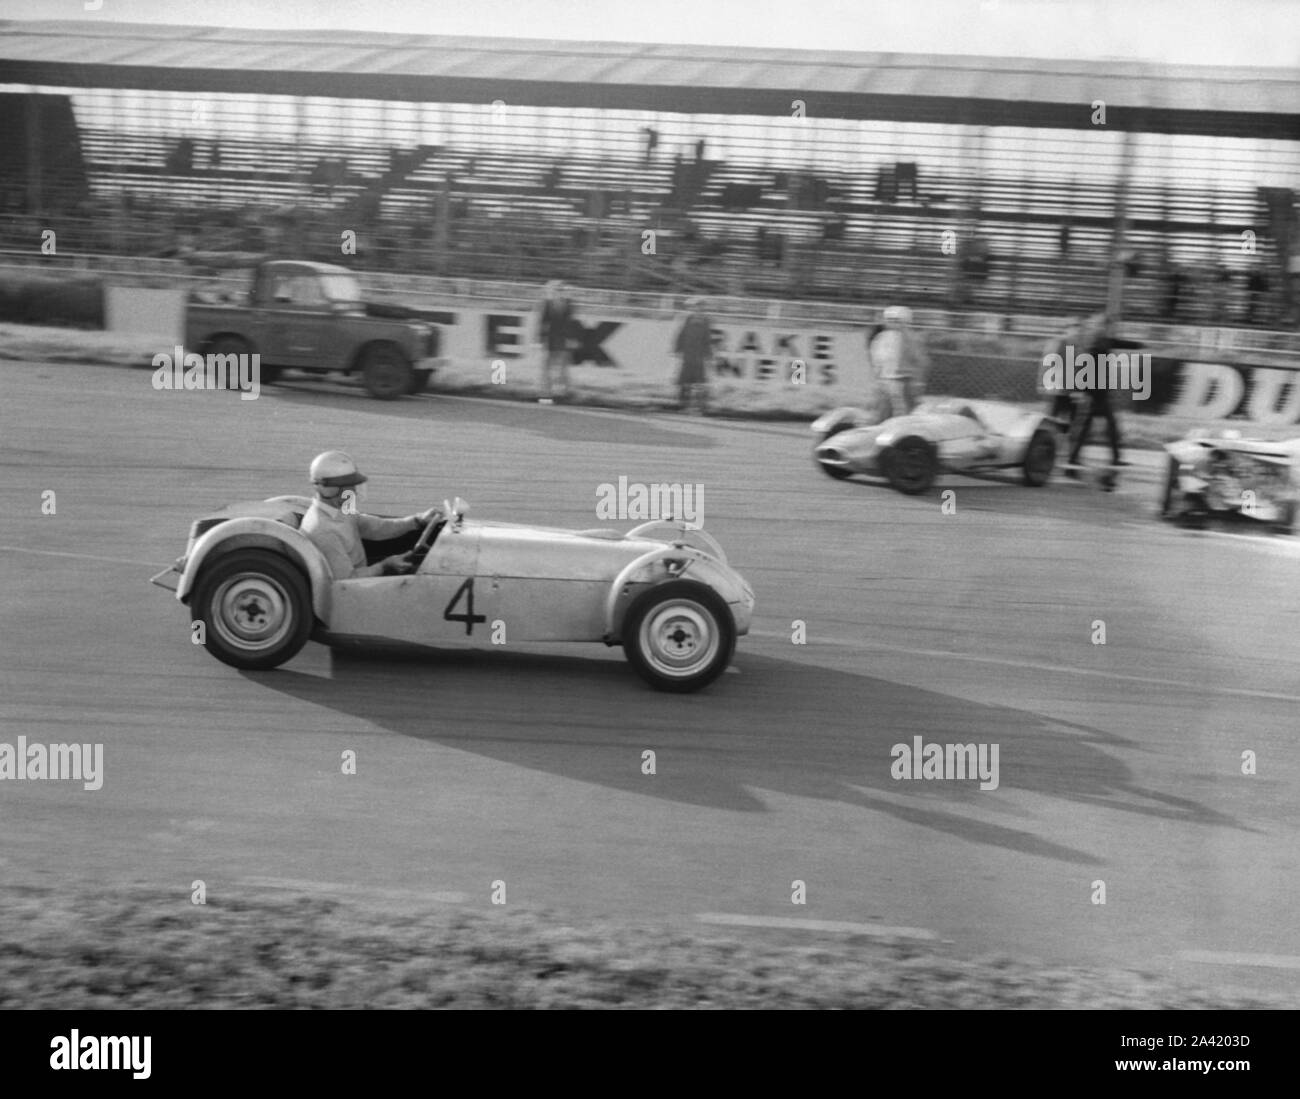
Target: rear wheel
column 911, row 465
column 385, row 372
column 232, row 345
column 255, row 608
column 679, row 636
column 1040, row 457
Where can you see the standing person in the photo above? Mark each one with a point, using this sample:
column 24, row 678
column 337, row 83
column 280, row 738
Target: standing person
column 901, row 360
column 554, row 329
column 1065, row 406
column 694, row 344
column 1098, row 341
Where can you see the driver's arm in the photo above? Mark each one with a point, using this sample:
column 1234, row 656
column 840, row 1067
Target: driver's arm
column 374, row 528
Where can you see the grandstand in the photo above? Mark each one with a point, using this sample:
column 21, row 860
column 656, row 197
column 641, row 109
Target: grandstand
column 968, row 183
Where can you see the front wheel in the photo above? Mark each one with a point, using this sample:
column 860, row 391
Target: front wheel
column 911, row 465
column 255, row 608
column 385, row 373
column 1040, row 457
column 679, row 636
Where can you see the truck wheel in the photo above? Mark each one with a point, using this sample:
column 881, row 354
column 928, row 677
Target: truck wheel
column 679, row 636
column 911, row 465
column 232, row 345
column 1285, row 523
column 386, row 373
column 1040, row 457
column 255, row 608
column 419, row 380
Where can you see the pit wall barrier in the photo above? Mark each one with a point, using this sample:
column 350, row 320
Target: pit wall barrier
column 1210, row 373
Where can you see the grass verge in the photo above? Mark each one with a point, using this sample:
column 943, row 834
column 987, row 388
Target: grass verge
column 142, row 948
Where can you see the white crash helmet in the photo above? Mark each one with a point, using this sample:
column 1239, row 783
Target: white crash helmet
column 335, row 469
column 896, row 316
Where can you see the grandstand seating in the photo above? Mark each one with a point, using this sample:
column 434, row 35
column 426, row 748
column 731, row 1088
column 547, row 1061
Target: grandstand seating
column 469, row 208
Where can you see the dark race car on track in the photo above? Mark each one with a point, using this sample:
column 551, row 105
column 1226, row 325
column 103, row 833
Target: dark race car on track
column 943, row 433
column 261, row 590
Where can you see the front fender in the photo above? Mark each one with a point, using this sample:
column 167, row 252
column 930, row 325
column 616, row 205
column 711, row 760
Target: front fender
column 260, row 533
column 837, row 419
column 642, row 571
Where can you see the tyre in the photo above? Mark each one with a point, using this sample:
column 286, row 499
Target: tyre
column 911, row 465
column 255, row 607
column 1040, row 457
column 385, row 372
column 679, row 636
column 1171, row 486
column 1285, row 523
column 419, row 380
column 838, row 472
column 232, row 345
column 1196, row 516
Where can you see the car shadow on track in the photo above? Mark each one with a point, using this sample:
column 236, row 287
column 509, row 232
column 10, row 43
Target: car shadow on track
column 788, row 728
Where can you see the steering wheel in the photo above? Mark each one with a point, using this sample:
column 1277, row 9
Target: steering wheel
column 425, row 542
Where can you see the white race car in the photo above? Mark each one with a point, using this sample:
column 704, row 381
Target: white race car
column 942, row 433
column 1227, row 475
column 261, row 590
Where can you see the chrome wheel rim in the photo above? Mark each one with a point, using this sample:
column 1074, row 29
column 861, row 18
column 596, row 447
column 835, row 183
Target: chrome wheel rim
column 678, row 638
column 251, row 612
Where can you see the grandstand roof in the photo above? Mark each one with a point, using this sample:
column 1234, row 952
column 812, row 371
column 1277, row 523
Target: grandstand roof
column 1159, row 98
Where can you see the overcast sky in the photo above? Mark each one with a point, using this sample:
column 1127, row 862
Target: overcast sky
column 1206, row 32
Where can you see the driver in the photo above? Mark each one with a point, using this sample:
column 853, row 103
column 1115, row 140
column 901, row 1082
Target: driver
column 335, row 527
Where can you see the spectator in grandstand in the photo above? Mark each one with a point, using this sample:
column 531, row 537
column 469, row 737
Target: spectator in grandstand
column 900, row 360
column 1098, row 340
column 554, row 333
column 1257, row 288
column 694, row 344
column 1175, row 282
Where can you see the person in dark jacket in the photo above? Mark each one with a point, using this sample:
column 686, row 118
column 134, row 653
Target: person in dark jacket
column 554, row 330
column 1098, row 342
column 694, row 343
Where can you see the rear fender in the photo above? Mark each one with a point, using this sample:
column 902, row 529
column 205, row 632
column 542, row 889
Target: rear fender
column 259, row 533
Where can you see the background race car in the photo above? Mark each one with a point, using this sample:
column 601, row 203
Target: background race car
column 961, row 436
column 1231, row 476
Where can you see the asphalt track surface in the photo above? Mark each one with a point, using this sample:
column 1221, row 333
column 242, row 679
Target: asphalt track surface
column 1118, row 762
